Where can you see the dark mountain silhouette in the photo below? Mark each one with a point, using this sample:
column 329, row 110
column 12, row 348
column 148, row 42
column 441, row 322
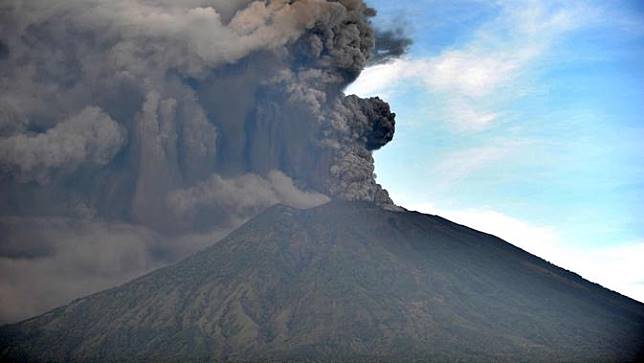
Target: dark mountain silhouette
column 343, row 282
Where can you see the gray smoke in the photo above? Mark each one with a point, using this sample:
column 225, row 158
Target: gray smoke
column 91, row 137
column 157, row 125
column 389, row 44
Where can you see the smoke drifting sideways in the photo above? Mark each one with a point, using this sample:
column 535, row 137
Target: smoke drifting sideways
column 389, row 45
column 132, row 132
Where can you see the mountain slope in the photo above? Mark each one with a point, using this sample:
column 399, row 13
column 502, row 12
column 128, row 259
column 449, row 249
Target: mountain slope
column 344, row 281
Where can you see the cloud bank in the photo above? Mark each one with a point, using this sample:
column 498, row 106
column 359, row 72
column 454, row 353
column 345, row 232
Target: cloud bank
column 155, row 123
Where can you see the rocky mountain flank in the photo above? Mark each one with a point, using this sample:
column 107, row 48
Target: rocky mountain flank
column 343, row 282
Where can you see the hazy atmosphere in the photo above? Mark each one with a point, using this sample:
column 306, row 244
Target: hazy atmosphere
column 133, row 133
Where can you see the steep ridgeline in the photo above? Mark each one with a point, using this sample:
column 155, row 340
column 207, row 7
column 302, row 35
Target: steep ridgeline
column 343, row 282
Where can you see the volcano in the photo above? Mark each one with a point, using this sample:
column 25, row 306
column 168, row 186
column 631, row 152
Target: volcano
column 345, row 281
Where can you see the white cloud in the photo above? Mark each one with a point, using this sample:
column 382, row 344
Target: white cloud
column 478, row 76
column 457, row 165
column 471, row 72
column 616, row 267
column 468, row 116
column 381, row 79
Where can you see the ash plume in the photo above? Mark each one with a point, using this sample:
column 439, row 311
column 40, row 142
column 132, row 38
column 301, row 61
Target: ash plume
column 171, row 123
column 389, row 44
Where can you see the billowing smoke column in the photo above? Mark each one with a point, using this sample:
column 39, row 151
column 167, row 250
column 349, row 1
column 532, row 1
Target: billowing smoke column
column 163, row 123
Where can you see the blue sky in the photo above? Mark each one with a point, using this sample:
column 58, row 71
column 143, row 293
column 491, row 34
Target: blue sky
column 524, row 119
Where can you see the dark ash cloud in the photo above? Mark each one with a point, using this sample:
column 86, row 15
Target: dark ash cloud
column 4, row 51
column 132, row 132
column 389, row 44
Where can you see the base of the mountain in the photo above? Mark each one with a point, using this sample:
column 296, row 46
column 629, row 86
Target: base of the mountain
column 343, row 282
